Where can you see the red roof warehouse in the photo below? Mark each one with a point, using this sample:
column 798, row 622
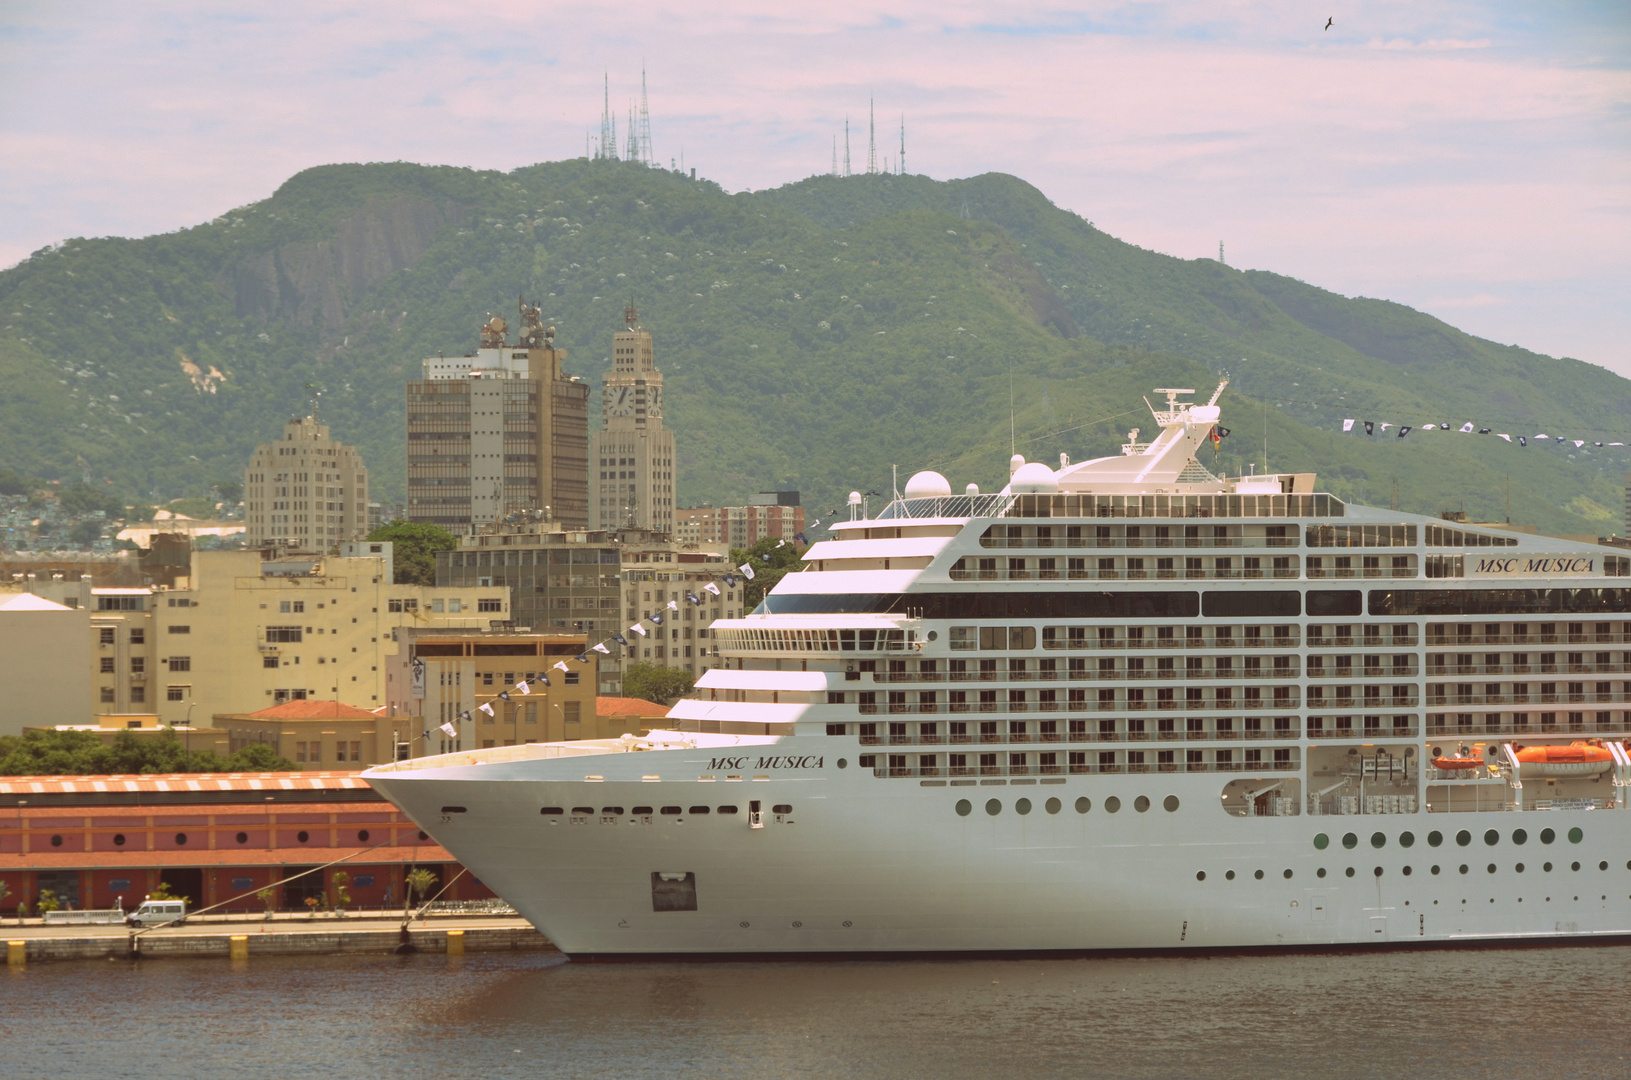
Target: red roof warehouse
column 94, row 840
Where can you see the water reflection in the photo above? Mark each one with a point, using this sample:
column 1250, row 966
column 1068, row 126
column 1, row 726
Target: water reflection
column 1473, row 1013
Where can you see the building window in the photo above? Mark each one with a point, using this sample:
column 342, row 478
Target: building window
column 572, row 678
column 138, row 695
column 107, row 665
column 269, row 661
column 489, row 605
column 356, row 755
column 284, row 633
column 179, row 629
column 104, row 635
column 107, row 695
column 137, row 637
column 176, row 693
column 138, row 665
column 181, row 663
column 296, row 607
column 572, row 711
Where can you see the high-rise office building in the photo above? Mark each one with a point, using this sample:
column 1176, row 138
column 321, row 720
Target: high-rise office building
column 631, row 467
column 305, row 490
column 502, row 430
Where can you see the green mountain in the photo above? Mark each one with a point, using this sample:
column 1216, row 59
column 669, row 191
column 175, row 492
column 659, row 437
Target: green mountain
column 811, row 337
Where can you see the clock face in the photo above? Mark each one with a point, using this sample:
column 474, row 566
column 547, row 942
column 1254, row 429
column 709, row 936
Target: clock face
column 654, row 405
column 620, row 401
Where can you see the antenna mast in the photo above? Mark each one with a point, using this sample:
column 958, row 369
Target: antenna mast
column 872, row 138
column 646, row 154
column 901, row 164
column 846, row 146
column 608, row 130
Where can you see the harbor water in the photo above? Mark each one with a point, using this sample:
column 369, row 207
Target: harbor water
column 1494, row 1013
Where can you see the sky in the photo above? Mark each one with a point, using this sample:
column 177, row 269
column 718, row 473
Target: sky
column 1470, row 159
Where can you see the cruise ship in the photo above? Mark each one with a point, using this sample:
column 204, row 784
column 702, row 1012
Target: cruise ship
column 1121, row 704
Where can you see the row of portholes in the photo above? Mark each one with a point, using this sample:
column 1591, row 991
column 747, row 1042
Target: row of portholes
column 1229, row 875
column 1436, row 838
column 1112, row 805
column 242, row 838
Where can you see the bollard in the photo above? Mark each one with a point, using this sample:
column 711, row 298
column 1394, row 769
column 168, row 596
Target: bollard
column 455, row 943
column 16, row 953
column 238, row 947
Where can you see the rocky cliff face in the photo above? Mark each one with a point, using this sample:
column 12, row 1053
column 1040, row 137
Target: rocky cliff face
column 309, row 284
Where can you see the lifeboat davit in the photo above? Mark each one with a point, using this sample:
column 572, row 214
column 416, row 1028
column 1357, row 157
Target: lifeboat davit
column 1583, row 757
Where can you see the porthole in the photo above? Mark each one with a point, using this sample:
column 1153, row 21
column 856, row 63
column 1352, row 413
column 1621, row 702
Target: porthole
column 1022, row 807
column 1350, row 841
column 423, row 835
column 1463, row 868
column 1435, row 838
column 1519, row 868
column 1546, row 867
column 1378, row 840
column 1547, row 836
column 933, row 635
column 1407, row 871
column 1576, row 835
column 1287, row 875
column 362, row 836
column 843, row 763
column 1492, row 868
column 1492, row 837
column 1463, row 838
column 1170, row 804
column 302, row 836
column 1258, row 875
column 1435, row 871
column 1321, row 842
column 1053, row 806
column 1519, row 836
column 964, row 807
column 1320, row 873
column 1200, row 875
column 1603, row 865
column 1377, row 871
column 1350, row 871
column 181, row 839
column 1229, row 876
column 1141, row 804
column 242, row 838
column 1574, row 866
column 1407, row 839
column 56, row 841
column 993, row 807
column 1112, row 804
column 1083, row 805
column 119, row 841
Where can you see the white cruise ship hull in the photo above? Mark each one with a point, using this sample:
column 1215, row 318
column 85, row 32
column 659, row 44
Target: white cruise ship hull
column 866, row 865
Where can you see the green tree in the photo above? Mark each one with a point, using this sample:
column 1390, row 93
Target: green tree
column 79, row 499
column 414, row 553
column 47, row 902
column 770, row 564
column 653, row 682
column 231, row 491
column 342, row 892
column 81, row 753
column 12, row 483
column 257, row 757
column 85, row 532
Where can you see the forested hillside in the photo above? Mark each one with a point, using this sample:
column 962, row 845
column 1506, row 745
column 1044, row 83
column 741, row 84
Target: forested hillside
column 811, row 336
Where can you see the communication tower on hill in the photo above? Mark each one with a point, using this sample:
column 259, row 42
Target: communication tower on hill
column 646, row 154
column 872, row 138
column 901, row 164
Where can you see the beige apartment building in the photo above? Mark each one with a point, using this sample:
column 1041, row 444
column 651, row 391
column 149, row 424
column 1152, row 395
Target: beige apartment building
column 471, row 681
column 44, row 654
column 500, row 430
column 776, row 514
column 317, row 734
column 305, row 491
column 631, row 459
column 239, row 633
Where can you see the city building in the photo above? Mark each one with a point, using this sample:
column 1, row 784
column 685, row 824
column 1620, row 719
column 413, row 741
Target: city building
column 319, row 734
column 501, row 430
column 305, row 491
column 598, row 583
column 775, row 514
column 239, row 632
column 471, row 681
column 45, row 655
column 631, row 466
column 106, row 841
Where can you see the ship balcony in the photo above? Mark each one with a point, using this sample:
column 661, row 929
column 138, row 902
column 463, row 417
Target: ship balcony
column 1438, row 637
column 1131, row 731
column 1095, row 574
column 1526, row 699
column 1360, row 572
column 1276, row 641
column 1528, row 669
column 901, row 766
column 1526, row 725
column 1138, row 542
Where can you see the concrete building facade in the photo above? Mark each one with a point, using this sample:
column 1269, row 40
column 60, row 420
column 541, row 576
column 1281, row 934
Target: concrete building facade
column 305, row 491
column 631, row 467
column 45, row 655
column 598, row 583
column 775, row 514
column 501, row 430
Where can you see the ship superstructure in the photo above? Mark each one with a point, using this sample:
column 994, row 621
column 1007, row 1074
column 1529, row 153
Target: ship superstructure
column 1121, row 704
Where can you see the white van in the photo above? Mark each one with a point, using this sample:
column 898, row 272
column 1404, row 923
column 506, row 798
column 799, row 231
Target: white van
column 156, row 912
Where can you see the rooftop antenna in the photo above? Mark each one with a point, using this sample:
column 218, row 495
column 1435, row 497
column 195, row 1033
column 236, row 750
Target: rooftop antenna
column 894, row 480
column 872, row 138
column 632, row 151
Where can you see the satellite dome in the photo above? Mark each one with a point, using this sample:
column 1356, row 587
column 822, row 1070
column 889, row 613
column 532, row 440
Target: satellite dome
column 927, row 485
column 1014, row 463
column 1033, row 478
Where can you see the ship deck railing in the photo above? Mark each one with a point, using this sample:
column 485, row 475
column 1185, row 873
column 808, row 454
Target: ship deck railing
column 1094, row 543
column 1123, row 575
column 1276, row 641
column 1175, row 674
column 1089, row 768
column 1527, row 669
column 1438, row 639
column 913, row 708
column 1457, row 729
column 1592, row 698
column 1132, row 738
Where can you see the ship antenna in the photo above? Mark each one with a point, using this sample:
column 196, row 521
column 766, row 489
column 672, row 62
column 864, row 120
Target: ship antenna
column 1012, row 446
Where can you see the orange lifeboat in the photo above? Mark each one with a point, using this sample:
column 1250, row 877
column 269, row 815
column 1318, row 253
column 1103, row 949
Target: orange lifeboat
column 1583, row 757
column 1459, row 764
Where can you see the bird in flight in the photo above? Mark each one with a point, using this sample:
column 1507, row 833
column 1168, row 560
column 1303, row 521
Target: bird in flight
column 1329, row 21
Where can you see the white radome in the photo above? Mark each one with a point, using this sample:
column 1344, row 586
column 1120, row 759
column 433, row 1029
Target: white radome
column 927, row 484
column 1033, row 478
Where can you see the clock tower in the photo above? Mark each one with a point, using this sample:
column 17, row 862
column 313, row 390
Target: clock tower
column 631, row 459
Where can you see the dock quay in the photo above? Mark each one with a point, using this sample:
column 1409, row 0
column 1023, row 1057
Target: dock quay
column 293, row 935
